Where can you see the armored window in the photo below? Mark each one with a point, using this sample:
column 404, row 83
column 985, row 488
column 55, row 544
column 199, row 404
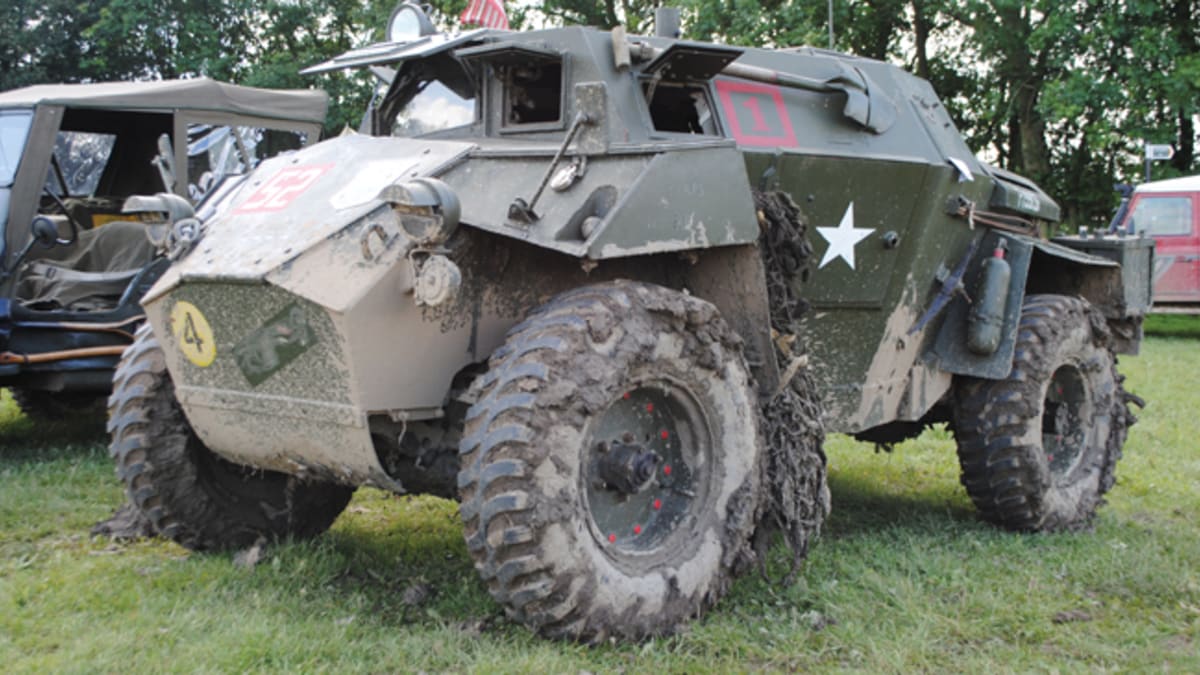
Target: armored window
column 433, row 108
column 680, row 108
column 426, row 96
column 529, row 78
column 675, row 85
column 532, row 92
column 1163, row 216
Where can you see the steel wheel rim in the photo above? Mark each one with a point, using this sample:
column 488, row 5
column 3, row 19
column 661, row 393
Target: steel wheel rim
column 666, row 420
column 1064, row 434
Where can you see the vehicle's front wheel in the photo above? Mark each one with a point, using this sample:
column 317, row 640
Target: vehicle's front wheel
column 48, row 406
column 188, row 493
column 1038, row 449
column 609, row 477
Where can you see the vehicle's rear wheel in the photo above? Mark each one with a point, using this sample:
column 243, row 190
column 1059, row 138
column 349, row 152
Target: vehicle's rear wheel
column 1038, row 448
column 609, row 474
column 188, row 493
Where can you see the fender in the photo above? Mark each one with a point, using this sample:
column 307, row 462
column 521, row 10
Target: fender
column 691, row 196
column 1037, row 267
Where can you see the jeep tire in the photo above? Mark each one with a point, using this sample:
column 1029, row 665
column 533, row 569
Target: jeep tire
column 49, row 406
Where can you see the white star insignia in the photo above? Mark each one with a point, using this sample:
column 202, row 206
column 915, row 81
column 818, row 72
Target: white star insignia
column 843, row 238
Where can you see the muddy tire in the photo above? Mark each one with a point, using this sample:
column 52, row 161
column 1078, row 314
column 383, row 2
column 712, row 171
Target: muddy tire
column 1038, row 449
column 48, row 406
column 564, row 540
column 188, row 493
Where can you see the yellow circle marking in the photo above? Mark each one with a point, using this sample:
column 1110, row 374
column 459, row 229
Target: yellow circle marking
column 194, row 335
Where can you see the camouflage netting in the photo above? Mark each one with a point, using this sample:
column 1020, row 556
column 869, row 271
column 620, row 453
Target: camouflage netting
column 797, row 499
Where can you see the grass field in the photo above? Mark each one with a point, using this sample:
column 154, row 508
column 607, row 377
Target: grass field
column 904, row 579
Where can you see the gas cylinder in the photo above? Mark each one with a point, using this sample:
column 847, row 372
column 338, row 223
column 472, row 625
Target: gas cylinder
column 986, row 318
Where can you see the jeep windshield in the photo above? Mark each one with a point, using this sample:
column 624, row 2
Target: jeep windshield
column 14, row 129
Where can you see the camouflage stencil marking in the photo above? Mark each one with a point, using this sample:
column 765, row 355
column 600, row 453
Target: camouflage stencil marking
column 262, row 353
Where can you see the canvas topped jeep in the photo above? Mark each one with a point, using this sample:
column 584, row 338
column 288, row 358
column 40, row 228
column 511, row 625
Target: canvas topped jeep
column 610, row 292
column 76, row 255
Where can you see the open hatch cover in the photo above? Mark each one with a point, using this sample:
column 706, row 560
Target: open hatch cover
column 382, row 53
column 691, row 61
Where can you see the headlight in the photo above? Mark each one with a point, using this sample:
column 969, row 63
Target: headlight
column 428, row 209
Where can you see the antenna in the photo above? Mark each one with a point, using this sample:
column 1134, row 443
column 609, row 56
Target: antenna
column 830, row 25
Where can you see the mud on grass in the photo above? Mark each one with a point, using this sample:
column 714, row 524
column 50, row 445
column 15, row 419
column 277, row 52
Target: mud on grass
column 904, row 577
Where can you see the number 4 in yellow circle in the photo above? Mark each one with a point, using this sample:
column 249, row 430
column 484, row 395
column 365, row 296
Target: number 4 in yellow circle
column 193, row 334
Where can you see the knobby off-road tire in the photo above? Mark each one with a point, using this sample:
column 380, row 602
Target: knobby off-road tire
column 188, row 493
column 48, row 406
column 1038, row 449
column 617, row 363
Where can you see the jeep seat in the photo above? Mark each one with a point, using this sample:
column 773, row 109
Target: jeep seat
column 89, row 275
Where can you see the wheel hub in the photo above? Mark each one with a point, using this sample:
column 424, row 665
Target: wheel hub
column 626, row 466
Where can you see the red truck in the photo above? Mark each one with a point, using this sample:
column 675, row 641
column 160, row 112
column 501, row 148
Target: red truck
column 1169, row 211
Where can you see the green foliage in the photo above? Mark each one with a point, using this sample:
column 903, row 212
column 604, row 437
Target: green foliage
column 42, row 40
column 262, row 44
column 904, row 578
column 139, row 39
column 1062, row 92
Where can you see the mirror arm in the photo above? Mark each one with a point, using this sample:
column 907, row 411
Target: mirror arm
column 523, row 212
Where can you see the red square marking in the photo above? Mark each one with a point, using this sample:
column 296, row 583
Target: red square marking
column 761, row 107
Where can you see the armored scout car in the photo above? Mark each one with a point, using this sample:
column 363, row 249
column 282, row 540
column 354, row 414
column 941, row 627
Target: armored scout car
column 600, row 288
column 75, row 255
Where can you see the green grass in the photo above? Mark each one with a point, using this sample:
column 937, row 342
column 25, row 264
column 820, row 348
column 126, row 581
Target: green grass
column 904, row 579
column 1173, row 325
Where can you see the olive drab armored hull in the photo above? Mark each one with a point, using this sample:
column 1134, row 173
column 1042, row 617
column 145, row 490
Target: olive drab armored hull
column 610, row 292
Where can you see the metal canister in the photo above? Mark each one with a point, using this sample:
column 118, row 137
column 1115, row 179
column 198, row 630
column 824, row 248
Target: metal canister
column 985, row 322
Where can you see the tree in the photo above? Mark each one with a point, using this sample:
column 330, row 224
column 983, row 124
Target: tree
column 43, row 41
column 143, row 39
column 1064, row 92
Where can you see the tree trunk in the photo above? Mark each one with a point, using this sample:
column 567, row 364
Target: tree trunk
column 1185, row 26
column 921, row 37
column 1035, row 155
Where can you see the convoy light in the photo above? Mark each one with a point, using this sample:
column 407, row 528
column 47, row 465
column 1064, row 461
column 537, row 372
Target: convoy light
column 408, row 22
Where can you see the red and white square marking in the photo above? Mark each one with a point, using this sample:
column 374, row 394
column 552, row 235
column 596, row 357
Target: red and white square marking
column 283, row 188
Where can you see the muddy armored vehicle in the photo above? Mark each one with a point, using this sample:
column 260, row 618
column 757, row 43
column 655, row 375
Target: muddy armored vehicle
column 89, row 176
column 610, row 292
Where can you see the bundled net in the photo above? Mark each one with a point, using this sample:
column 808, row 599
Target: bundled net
column 797, row 498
